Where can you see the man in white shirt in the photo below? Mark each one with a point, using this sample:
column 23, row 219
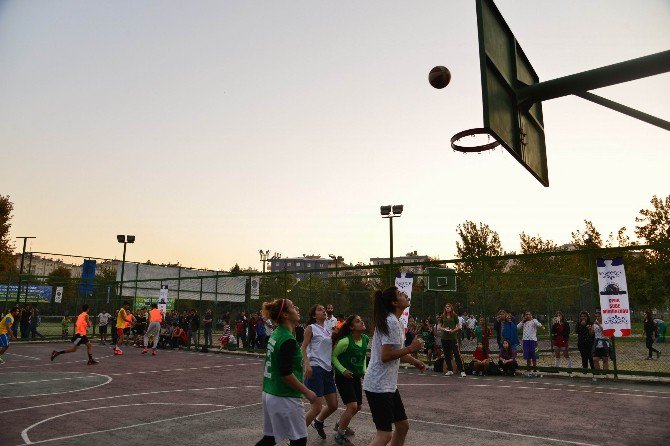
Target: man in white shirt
column 331, row 321
column 103, row 322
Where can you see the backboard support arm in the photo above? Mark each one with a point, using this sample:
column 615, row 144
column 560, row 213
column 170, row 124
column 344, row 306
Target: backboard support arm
column 637, row 114
column 577, row 84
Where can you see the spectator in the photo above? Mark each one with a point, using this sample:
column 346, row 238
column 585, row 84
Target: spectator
column 331, row 320
column 450, row 326
column 193, row 327
column 241, row 329
column 650, row 334
column 509, row 332
column 438, row 338
column 507, row 358
column 103, row 322
column 560, row 333
column 497, row 326
column 34, row 322
column 179, row 337
column 480, row 360
column 585, row 339
column 25, row 321
column 208, row 321
column 65, row 327
column 410, row 333
column 166, row 336
column 260, row 333
column 461, row 320
column 225, row 337
column 530, row 326
column 426, row 333
column 601, row 344
column 251, row 339
column 299, row 333
column 483, row 333
column 470, row 324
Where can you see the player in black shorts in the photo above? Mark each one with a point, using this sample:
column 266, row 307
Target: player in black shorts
column 80, row 338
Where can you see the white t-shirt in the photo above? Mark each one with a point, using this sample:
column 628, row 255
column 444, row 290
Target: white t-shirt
column 103, row 319
column 330, row 323
column 529, row 329
column 471, row 323
column 382, row 377
column 320, row 349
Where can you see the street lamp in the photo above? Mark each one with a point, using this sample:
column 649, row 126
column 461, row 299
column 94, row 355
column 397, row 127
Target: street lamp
column 337, row 259
column 265, row 256
column 391, row 212
column 125, row 239
column 23, row 255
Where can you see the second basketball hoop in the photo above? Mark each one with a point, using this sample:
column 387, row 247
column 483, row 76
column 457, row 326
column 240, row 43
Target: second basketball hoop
column 473, row 141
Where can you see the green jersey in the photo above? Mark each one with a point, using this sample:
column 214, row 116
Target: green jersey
column 353, row 358
column 450, row 323
column 272, row 380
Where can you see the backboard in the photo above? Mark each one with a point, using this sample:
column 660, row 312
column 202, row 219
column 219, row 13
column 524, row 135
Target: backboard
column 441, row 279
column 504, row 69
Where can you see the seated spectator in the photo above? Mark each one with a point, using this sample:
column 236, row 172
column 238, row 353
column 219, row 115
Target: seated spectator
column 480, row 360
column 507, row 358
column 166, row 335
column 178, row 337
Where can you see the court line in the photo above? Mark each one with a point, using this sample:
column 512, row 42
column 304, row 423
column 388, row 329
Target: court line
column 491, row 431
column 508, row 386
column 44, row 380
column 109, row 380
column 53, row 363
column 128, row 395
column 548, row 383
column 181, row 369
column 26, row 439
column 24, row 356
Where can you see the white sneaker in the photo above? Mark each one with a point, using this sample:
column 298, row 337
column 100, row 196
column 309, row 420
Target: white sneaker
column 463, row 375
column 449, row 373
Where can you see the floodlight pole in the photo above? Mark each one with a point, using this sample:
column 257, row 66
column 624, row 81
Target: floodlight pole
column 23, row 256
column 580, row 83
column 125, row 240
column 391, row 212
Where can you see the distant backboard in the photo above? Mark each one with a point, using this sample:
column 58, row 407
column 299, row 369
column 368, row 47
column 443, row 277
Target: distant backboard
column 441, row 279
column 504, row 69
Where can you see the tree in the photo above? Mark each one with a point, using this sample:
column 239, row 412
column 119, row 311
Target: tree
column 235, row 269
column 62, row 277
column 655, row 272
column 477, row 242
column 656, row 222
column 7, row 264
column 590, row 238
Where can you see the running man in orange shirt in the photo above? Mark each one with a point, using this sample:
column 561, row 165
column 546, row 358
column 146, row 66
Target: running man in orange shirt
column 80, row 338
column 155, row 319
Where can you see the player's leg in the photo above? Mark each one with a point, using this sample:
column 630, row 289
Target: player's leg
column 89, row 350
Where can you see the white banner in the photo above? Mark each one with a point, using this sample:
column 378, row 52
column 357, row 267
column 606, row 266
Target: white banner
column 613, row 297
column 58, row 298
column 404, row 282
column 255, row 287
column 163, row 299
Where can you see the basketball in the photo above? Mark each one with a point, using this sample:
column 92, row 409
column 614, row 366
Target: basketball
column 439, row 77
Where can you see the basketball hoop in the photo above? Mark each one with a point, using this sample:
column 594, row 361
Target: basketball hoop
column 477, row 144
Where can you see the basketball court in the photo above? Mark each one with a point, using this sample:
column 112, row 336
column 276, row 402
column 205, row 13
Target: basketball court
column 184, row 398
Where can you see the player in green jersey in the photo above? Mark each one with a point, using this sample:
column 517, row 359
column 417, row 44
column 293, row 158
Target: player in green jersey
column 283, row 412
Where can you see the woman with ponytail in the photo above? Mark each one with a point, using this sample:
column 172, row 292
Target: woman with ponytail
column 283, row 414
column 349, row 355
column 381, row 378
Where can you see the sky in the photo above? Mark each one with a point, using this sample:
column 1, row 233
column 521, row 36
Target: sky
column 212, row 129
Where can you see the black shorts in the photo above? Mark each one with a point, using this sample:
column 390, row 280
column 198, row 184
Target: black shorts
column 350, row 389
column 103, row 329
column 80, row 339
column 386, row 409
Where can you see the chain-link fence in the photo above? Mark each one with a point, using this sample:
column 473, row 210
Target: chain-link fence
column 542, row 283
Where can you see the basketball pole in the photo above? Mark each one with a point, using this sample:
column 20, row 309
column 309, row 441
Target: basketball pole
column 579, row 83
